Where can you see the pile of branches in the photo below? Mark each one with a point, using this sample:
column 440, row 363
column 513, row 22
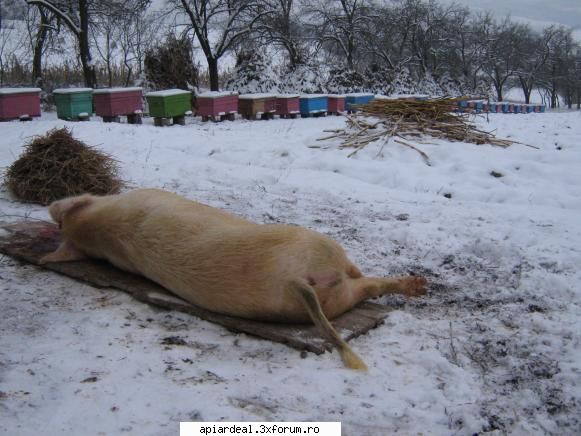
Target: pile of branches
column 57, row 165
column 404, row 119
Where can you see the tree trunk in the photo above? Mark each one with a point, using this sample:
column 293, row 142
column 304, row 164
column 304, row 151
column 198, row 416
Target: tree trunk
column 213, row 72
column 350, row 48
column 526, row 89
column 554, row 96
column 295, row 56
column 84, row 48
column 109, row 67
column 38, row 48
column 498, row 92
column 498, row 84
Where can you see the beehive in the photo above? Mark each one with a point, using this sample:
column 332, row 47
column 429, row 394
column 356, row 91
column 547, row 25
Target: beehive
column 336, row 103
column 252, row 106
column 313, row 104
column 356, row 99
column 217, row 104
column 73, row 103
column 23, row 103
column 287, row 105
column 169, row 103
column 112, row 102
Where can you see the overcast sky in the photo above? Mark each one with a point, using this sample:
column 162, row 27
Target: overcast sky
column 538, row 12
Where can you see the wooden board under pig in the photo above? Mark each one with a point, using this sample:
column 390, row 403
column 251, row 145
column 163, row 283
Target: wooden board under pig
column 30, row 240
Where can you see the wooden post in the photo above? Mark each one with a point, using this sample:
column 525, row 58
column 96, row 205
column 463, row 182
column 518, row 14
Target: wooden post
column 161, row 122
column 134, row 119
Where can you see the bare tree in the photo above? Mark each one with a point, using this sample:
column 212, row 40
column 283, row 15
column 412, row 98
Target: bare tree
column 385, row 38
column 560, row 72
column 5, row 34
column 10, row 42
column 283, row 28
column 79, row 16
column 136, row 39
column 219, row 25
column 341, row 25
column 503, row 54
column 75, row 15
column 535, row 52
column 466, row 53
column 43, row 31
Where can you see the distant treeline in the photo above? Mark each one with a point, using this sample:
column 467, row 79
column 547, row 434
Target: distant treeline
column 396, row 46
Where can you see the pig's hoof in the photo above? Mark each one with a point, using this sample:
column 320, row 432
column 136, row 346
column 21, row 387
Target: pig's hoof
column 45, row 259
column 414, row 286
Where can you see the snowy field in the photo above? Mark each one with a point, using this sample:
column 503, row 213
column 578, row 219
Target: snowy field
column 493, row 349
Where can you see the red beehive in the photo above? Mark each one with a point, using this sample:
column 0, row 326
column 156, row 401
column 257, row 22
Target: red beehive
column 270, row 105
column 112, row 102
column 19, row 103
column 287, row 105
column 217, row 104
column 336, row 104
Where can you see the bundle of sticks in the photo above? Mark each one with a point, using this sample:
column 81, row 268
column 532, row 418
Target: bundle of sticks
column 405, row 119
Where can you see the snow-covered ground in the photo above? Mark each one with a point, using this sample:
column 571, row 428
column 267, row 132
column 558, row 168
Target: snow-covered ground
column 494, row 347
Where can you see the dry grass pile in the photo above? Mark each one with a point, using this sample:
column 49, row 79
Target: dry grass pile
column 404, row 119
column 57, row 165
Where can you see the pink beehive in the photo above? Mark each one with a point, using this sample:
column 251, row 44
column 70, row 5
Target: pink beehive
column 217, row 104
column 336, row 104
column 112, row 102
column 287, row 105
column 270, row 105
column 23, row 103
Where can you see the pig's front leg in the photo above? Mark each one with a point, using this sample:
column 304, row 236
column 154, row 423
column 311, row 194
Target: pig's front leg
column 66, row 252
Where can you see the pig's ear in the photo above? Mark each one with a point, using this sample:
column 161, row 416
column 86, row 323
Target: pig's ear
column 59, row 209
column 76, row 203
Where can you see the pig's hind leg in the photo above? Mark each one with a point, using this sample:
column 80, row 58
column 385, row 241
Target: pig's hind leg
column 370, row 287
column 340, row 295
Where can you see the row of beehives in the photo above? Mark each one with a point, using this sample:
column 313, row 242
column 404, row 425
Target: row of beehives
column 479, row 106
column 171, row 105
column 174, row 104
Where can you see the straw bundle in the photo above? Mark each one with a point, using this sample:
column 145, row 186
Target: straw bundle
column 381, row 120
column 57, row 165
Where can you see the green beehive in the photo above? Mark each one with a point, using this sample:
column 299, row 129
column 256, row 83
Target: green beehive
column 73, row 103
column 169, row 103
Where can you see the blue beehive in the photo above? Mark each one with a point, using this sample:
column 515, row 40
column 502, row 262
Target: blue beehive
column 517, row 108
column 478, row 106
column 505, row 108
column 530, row 108
column 543, row 108
column 355, row 99
column 462, row 106
column 492, row 107
column 313, row 104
